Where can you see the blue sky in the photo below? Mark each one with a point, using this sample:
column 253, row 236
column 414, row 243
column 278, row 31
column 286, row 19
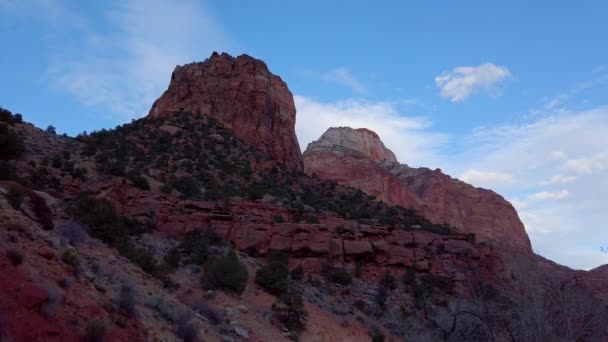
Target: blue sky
column 508, row 96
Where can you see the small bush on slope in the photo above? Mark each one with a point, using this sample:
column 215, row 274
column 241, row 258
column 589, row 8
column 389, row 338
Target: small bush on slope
column 11, row 145
column 290, row 310
column 225, row 273
column 273, row 277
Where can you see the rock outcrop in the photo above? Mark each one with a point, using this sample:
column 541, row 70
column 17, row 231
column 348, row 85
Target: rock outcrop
column 243, row 95
column 349, row 156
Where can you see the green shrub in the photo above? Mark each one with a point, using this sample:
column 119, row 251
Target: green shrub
column 42, row 211
column 7, row 171
column 388, row 281
column 377, row 335
column 173, row 258
column 95, row 331
column 56, row 161
column 273, row 277
column 360, row 305
column 138, row 180
column 70, row 257
column 142, row 257
column 15, row 257
column 195, row 244
column 15, row 196
column 338, row 276
column 6, row 116
column 11, row 145
column 297, row 273
column 103, row 221
column 290, row 310
column 188, row 187
column 257, row 190
column 166, row 188
column 225, row 273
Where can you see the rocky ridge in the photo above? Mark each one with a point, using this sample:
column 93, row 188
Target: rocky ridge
column 338, row 155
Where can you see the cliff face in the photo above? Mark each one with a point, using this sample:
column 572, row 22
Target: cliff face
column 243, row 95
column 440, row 198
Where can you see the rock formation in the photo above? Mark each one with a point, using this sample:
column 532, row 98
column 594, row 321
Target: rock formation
column 244, row 96
column 358, row 158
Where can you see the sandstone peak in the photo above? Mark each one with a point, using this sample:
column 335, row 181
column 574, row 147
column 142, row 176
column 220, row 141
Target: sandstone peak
column 354, row 157
column 360, row 140
column 243, row 95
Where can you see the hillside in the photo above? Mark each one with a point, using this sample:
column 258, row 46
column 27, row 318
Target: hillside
column 178, row 227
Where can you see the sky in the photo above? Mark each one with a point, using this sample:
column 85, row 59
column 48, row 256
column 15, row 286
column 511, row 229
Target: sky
column 509, row 96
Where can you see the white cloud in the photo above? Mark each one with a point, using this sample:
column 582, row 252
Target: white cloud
column 587, row 165
column 548, row 195
column 344, row 77
column 128, row 66
column 486, row 179
column 559, row 179
column 410, row 137
column 462, row 82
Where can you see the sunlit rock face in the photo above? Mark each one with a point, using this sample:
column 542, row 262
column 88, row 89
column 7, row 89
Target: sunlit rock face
column 357, row 157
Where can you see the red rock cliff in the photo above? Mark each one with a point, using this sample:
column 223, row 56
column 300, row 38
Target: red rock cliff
column 358, row 158
column 244, row 96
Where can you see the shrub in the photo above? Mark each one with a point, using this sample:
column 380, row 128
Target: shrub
column 196, row 244
column 42, row 211
column 95, row 331
column 297, row 273
column 51, row 129
column 6, row 116
column 338, row 276
column 138, row 180
column 225, row 273
column 52, row 302
column 15, row 196
column 388, row 281
column 7, row 171
column 437, row 283
column 126, row 301
column 257, row 190
column 188, row 187
column 15, row 257
column 140, row 256
column 290, row 310
column 73, row 232
column 377, row 335
column 214, row 316
column 11, row 145
column 166, row 188
column 173, row 258
column 104, row 223
column 360, row 305
column 273, row 277
column 70, row 257
column 187, row 331
column 56, row 161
